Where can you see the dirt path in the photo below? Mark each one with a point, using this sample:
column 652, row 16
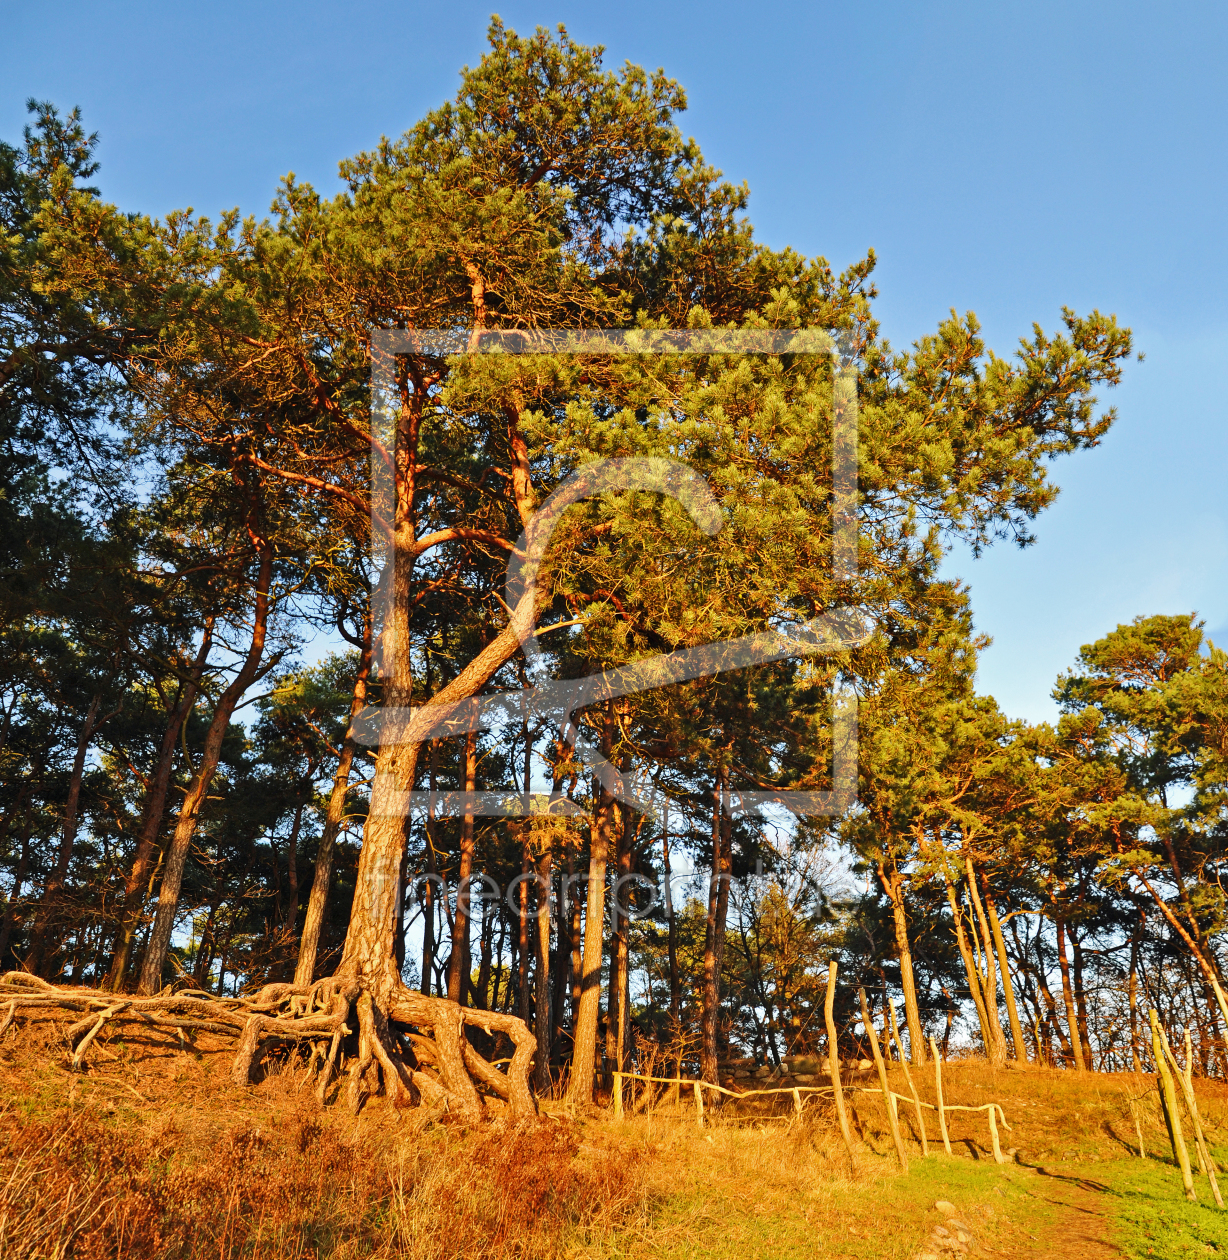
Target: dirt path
column 1080, row 1229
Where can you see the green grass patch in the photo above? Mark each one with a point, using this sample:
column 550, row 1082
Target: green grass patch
column 1151, row 1219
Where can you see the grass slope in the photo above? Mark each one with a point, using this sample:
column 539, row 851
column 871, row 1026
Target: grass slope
column 150, row 1152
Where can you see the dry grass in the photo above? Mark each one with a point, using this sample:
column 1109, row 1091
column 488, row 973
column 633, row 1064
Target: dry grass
column 151, row 1153
column 81, row 1185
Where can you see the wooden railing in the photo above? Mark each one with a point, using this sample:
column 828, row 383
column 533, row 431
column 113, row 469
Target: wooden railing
column 892, row 1099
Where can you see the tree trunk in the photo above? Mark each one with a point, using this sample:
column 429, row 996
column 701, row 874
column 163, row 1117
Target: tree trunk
column 1135, row 938
column 577, row 965
column 614, row 1031
column 40, row 957
column 19, row 879
column 1081, row 999
column 970, row 967
column 541, row 987
column 460, row 963
column 481, row 996
column 317, row 902
column 1072, row 1019
column 675, row 987
column 562, row 946
column 1008, row 984
column 990, row 987
column 1200, row 956
column 584, row 1036
column 432, row 869
column 714, row 935
column 291, row 912
column 189, row 811
column 892, row 883
column 136, row 887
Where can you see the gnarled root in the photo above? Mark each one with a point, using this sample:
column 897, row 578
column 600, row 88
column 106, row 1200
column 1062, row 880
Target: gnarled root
column 413, row 1046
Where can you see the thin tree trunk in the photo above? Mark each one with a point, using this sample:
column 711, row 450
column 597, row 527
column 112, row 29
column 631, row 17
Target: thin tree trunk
column 19, row 879
column 970, row 967
column 562, row 945
column 1008, row 985
column 154, row 811
column 189, row 811
column 40, row 957
column 584, row 1037
column 205, row 947
column 577, row 965
column 1200, row 956
column 481, row 996
column 990, row 989
column 892, row 883
column 1135, row 938
column 460, row 963
column 522, row 938
column 675, row 987
column 498, row 967
column 317, row 902
column 541, row 988
column 432, row 869
column 618, row 941
column 1072, row 1019
column 714, row 935
column 1081, row 999
column 292, row 869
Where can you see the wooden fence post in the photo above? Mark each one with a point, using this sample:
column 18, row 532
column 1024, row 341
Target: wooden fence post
column 833, row 1062
column 942, row 1112
column 999, row 1158
column 618, row 1095
column 699, row 1103
column 901, row 1154
column 912, row 1089
column 1191, row 1105
column 1168, row 1095
column 1138, row 1128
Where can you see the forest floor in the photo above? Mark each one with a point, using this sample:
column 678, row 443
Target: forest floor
column 150, row 1152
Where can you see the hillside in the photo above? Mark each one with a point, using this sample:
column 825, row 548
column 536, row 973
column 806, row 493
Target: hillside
column 151, row 1152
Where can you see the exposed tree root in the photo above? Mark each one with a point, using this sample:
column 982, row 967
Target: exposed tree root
column 411, row 1048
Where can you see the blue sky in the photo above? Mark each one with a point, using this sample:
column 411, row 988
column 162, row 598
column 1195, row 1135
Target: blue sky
column 1005, row 159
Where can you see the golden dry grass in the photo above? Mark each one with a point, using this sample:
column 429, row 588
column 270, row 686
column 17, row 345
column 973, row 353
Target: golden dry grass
column 151, row 1152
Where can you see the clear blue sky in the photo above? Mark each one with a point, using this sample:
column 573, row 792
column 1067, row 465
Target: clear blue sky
column 1005, row 159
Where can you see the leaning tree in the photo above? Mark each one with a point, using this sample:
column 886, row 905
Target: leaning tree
column 550, row 194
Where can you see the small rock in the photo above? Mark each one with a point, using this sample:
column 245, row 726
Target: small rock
column 945, row 1208
column 941, row 1231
